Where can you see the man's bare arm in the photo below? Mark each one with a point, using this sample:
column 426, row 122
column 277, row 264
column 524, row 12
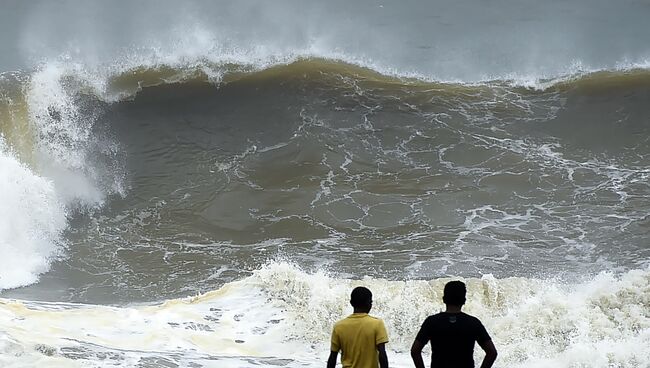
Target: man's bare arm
column 383, row 358
column 416, row 353
column 331, row 361
column 490, row 353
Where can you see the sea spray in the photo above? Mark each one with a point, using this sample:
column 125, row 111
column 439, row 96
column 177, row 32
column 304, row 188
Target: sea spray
column 64, row 105
column 49, row 162
column 32, row 219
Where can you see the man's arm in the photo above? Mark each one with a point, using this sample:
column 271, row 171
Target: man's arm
column 490, row 353
column 383, row 358
column 331, row 361
column 416, row 353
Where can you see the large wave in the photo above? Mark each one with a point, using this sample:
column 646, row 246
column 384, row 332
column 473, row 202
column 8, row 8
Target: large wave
column 48, row 120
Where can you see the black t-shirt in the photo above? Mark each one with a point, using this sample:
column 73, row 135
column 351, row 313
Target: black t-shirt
column 452, row 337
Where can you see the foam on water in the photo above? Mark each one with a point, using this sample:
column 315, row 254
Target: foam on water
column 48, row 168
column 283, row 316
column 33, row 218
column 64, row 134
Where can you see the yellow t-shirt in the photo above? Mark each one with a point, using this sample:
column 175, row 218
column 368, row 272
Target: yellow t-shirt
column 358, row 336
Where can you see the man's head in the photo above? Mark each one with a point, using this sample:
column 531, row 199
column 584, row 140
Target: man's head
column 361, row 299
column 454, row 293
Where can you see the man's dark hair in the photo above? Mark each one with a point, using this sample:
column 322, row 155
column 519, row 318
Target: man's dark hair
column 361, row 297
column 454, row 293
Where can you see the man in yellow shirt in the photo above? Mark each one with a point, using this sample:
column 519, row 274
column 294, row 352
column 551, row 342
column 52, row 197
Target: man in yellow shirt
column 360, row 337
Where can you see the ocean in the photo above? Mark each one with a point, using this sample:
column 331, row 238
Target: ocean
column 202, row 183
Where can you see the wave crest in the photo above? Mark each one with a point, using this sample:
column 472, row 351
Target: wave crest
column 128, row 82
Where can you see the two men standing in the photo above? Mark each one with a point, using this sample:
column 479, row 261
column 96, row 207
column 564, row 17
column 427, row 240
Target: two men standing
column 452, row 335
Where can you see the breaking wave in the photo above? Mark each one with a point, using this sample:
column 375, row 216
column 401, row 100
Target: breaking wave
column 599, row 322
column 48, row 120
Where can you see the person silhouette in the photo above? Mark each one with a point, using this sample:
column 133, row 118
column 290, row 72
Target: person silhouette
column 360, row 337
column 452, row 334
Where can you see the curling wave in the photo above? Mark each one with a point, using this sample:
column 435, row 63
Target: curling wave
column 55, row 127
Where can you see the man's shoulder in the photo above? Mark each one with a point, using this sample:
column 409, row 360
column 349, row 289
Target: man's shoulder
column 443, row 316
column 371, row 320
column 340, row 322
column 350, row 321
column 471, row 318
column 436, row 316
column 363, row 318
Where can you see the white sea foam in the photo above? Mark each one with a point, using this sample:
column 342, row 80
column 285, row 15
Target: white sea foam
column 31, row 220
column 283, row 316
column 64, row 134
column 59, row 177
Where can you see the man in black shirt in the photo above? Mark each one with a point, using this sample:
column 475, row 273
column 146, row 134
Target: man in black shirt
column 452, row 334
